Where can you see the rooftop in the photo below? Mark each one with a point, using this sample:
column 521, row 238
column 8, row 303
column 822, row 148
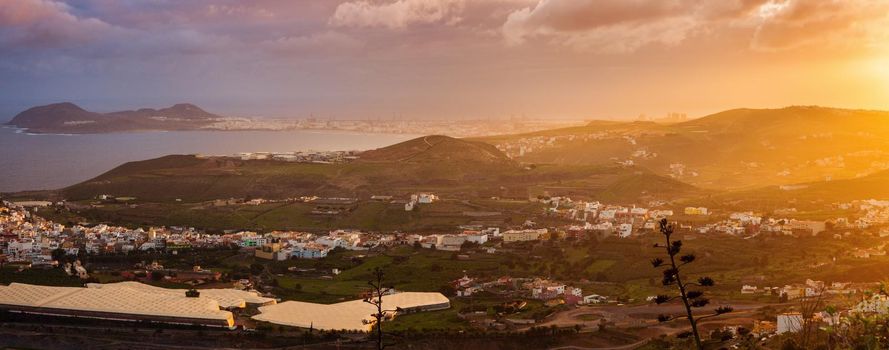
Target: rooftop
column 349, row 315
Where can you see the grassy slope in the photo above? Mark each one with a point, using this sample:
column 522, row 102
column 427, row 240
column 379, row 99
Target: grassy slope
column 450, row 167
column 721, row 147
column 809, row 196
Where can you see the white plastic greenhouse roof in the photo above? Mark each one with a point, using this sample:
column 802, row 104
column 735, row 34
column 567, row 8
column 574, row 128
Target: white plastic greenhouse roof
column 118, row 301
column 350, row 315
column 227, row 298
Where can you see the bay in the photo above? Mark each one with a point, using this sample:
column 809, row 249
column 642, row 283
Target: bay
column 50, row 161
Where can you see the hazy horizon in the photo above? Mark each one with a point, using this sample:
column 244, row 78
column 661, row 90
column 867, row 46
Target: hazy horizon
column 441, row 59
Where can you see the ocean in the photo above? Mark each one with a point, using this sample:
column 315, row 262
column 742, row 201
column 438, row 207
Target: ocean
column 51, row 161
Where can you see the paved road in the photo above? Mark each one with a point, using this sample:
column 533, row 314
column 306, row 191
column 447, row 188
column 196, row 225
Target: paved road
column 640, row 316
column 622, row 347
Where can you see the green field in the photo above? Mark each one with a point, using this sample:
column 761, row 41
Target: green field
column 618, row 268
column 441, row 216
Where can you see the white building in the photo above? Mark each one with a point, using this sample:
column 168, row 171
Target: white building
column 523, row 235
column 625, row 230
column 877, row 304
column 332, row 242
column 309, row 251
column 476, row 237
column 426, row 198
column 790, row 322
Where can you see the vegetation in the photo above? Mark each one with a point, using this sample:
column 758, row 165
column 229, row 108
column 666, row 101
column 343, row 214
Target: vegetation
column 691, row 298
column 737, row 149
column 375, row 298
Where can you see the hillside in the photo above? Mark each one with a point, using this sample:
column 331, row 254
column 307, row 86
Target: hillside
column 437, row 148
column 809, row 196
column 735, row 149
column 69, row 118
column 450, row 167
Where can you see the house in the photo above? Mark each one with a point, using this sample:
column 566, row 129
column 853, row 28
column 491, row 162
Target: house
column 426, row 198
column 462, row 282
column 271, row 251
column 747, row 289
column 523, row 235
column 594, row 299
column 450, row 242
column 545, row 290
column 574, row 291
column 789, row 322
column 475, row 237
column 807, row 226
column 793, row 292
column 639, row 211
column 625, row 230
column 697, row 211
column 877, row 304
column 309, row 251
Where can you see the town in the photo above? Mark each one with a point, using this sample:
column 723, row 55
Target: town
column 29, row 242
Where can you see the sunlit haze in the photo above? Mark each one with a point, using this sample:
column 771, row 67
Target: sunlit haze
column 444, row 174
column 445, row 59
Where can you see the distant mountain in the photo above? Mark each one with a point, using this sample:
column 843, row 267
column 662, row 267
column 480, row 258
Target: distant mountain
column 67, row 117
column 735, row 149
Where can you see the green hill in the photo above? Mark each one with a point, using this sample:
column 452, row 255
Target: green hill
column 437, row 148
column 735, row 149
column 450, row 167
column 813, row 195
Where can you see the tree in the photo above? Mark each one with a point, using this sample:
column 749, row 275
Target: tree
column 689, row 294
column 375, row 298
column 157, row 275
column 256, row 269
column 58, row 254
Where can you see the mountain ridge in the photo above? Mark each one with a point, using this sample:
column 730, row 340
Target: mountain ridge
column 67, row 117
column 736, row 149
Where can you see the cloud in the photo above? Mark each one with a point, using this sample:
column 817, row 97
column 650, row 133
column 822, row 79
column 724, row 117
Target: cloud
column 618, row 26
column 623, row 26
column 326, row 41
column 45, row 23
column 603, row 26
column 397, row 14
column 786, row 25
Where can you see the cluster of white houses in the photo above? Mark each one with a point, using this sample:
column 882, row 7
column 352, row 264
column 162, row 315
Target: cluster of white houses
column 534, row 288
column 322, row 157
column 28, row 238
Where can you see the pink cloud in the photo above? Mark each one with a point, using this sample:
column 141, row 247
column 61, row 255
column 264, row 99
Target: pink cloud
column 397, row 14
column 39, row 23
column 791, row 24
column 623, row 26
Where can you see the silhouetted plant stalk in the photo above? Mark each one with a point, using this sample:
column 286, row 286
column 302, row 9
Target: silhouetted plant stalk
column 689, row 292
column 376, row 299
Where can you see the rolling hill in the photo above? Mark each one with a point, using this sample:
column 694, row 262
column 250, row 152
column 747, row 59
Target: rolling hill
column 809, row 196
column 450, row 167
column 437, row 148
column 735, row 149
column 67, row 117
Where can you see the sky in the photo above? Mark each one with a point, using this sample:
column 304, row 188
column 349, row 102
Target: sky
column 445, row 59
